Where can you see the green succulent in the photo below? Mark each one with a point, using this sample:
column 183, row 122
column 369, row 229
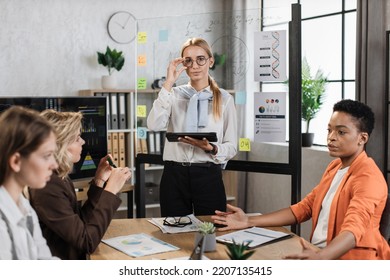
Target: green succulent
column 237, row 251
column 206, row 228
column 112, row 59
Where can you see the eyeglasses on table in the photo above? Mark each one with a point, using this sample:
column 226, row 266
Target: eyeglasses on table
column 177, row 221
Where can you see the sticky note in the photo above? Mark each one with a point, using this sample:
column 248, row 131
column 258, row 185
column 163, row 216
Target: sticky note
column 244, row 145
column 141, row 132
column 141, row 61
column 240, row 97
column 141, row 111
column 142, row 37
column 141, row 83
column 163, row 35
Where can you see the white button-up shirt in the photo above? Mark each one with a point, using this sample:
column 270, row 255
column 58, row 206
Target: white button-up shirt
column 20, row 234
column 169, row 113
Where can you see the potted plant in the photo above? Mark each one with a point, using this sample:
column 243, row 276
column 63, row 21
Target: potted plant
column 112, row 60
column 313, row 92
column 237, row 251
column 207, row 230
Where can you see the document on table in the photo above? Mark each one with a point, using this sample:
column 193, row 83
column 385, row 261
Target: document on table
column 255, row 235
column 159, row 222
column 138, row 245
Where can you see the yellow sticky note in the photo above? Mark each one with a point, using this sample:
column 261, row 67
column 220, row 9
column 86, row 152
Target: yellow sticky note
column 244, row 145
column 141, row 61
column 141, row 83
column 142, row 37
column 141, row 111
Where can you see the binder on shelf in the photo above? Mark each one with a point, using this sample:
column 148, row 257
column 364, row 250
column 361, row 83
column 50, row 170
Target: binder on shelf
column 162, row 140
column 144, row 146
column 137, row 144
column 114, row 110
column 109, row 143
column 122, row 111
column 115, row 147
column 151, row 142
column 157, row 142
column 122, row 149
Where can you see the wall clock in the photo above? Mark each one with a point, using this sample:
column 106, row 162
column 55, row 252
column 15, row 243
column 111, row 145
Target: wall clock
column 121, row 27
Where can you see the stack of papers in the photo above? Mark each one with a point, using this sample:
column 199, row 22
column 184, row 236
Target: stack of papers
column 159, row 222
column 138, row 245
column 256, row 236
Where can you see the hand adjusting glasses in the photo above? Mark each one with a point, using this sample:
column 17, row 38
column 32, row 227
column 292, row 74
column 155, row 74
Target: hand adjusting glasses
column 200, row 60
column 177, row 221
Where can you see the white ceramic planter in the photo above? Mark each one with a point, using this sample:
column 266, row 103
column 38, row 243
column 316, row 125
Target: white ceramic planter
column 210, row 242
column 109, row 82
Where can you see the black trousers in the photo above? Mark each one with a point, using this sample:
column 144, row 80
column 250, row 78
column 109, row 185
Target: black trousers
column 197, row 190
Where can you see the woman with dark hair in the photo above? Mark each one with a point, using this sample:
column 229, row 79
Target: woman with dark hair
column 27, row 147
column 192, row 176
column 347, row 204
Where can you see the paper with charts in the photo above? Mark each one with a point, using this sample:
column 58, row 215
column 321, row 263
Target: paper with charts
column 256, row 235
column 139, row 245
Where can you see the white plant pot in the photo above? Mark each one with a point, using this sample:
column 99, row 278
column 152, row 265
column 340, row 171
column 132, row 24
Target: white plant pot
column 109, row 82
column 210, row 241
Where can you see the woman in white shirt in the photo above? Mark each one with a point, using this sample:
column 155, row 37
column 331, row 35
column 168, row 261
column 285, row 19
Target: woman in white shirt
column 27, row 147
column 192, row 177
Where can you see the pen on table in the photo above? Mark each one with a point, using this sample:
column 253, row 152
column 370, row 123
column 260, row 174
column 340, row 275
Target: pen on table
column 256, row 233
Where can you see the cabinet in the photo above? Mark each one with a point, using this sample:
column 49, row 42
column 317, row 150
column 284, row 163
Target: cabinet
column 127, row 111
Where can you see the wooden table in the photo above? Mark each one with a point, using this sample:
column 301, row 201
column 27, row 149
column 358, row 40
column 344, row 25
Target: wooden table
column 185, row 241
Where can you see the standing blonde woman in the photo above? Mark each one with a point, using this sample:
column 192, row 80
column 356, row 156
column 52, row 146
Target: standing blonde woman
column 192, row 176
column 27, row 147
column 72, row 231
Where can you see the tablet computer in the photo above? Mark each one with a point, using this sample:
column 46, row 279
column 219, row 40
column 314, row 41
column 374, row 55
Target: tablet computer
column 173, row 136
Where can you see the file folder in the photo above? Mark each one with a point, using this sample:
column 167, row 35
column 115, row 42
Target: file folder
column 109, row 143
column 151, row 142
column 108, row 108
column 114, row 110
column 157, row 141
column 115, row 148
column 122, row 149
column 122, row 111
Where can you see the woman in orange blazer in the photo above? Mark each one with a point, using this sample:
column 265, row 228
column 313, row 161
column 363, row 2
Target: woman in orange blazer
column 346, row 206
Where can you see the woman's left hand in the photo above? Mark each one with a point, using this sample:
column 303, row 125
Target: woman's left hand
column 203, row 144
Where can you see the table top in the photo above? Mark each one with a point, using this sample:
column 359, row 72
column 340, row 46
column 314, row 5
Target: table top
column 185, row 241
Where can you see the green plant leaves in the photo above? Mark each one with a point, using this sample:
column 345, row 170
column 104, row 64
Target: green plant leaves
column 237, row 251
column 112, row 59
column 313, row 89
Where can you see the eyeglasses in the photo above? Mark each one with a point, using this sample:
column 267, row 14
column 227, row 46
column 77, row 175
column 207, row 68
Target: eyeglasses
column 200, row 60
column 177, row 221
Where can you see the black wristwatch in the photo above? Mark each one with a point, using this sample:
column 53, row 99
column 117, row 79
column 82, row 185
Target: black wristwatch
column 213, row 151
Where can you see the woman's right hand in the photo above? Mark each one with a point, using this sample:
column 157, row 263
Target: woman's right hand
column 173, row 72
column 117, row 179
